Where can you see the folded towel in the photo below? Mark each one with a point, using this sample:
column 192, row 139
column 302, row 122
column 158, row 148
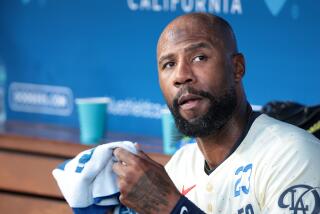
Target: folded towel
column 87, row 181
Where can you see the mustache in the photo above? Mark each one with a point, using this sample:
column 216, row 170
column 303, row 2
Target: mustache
column 191, row 90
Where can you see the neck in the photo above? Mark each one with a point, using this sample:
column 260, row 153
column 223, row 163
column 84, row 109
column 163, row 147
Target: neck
column 218, row 146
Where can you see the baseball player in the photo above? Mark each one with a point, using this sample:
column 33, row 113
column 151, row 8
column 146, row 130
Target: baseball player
column 274, row 169
column 243, row 162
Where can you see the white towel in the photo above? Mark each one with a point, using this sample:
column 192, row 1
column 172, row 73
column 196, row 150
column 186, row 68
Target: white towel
column 87, row 181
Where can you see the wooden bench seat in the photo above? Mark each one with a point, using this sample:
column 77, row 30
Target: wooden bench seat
column 26, row 183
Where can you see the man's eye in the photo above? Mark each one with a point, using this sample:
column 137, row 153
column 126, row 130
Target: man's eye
column 199, row 58
column 168, row 65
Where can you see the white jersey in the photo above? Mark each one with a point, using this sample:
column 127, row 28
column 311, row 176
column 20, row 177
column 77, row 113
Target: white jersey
column 275, row 169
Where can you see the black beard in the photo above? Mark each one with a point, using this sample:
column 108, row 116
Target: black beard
column 219, row 113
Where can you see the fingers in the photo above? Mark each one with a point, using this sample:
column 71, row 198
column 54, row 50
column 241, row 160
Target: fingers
column 119, row 169
column 128, row 158
column 127, row 163
column 130, row 165
column 124, row 156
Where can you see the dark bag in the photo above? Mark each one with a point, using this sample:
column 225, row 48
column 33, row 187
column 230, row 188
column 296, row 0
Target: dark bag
column 306, row 117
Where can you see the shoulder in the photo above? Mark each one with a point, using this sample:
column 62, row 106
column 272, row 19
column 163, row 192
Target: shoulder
column 285, row 150
column 283, row 136
column 277, row 149
column 287, row 160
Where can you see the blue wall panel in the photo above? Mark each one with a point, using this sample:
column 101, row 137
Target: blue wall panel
column 82, row 48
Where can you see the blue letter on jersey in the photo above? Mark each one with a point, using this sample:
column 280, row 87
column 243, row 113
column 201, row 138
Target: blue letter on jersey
column 243, row 181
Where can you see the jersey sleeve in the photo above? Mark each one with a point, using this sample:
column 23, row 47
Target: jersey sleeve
column 290, row 182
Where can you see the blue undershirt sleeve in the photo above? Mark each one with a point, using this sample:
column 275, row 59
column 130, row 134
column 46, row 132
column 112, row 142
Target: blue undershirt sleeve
column 184, row 206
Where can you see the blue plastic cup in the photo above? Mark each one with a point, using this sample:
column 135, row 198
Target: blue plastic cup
column 92, row 119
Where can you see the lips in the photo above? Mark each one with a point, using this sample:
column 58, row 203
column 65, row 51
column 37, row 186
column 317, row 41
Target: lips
column 188, row 101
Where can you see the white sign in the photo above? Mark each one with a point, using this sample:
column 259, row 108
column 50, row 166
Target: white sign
column 43, row 99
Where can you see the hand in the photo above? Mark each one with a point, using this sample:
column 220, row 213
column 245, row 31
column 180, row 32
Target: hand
column 144, row 184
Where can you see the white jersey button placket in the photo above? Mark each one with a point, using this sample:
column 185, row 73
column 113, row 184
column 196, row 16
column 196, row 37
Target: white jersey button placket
column 209, row 187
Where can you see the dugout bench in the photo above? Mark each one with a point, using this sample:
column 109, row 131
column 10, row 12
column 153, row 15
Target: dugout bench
column 26, row 183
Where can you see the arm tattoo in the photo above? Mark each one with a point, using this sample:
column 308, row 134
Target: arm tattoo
column 150, row 196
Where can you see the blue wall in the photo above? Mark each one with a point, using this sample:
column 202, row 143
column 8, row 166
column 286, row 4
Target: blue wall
column 58, row 50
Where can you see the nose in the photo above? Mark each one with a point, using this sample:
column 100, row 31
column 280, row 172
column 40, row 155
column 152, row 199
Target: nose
column 183, row 75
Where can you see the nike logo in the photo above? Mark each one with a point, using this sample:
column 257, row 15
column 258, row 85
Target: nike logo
column 185, row 191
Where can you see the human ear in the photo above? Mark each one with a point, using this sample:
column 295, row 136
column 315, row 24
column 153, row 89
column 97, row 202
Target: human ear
column 239, row 66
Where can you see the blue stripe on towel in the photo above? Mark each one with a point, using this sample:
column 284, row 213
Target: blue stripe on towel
column 92, row 209
column 63, row 164
column 99, row 199
column 83, row 160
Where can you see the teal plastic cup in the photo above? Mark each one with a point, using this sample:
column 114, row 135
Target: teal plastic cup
column 171, row 137
column 170, row 134
column 92, row 119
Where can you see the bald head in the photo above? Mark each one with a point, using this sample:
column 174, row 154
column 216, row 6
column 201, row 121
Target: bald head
column 217, row 29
